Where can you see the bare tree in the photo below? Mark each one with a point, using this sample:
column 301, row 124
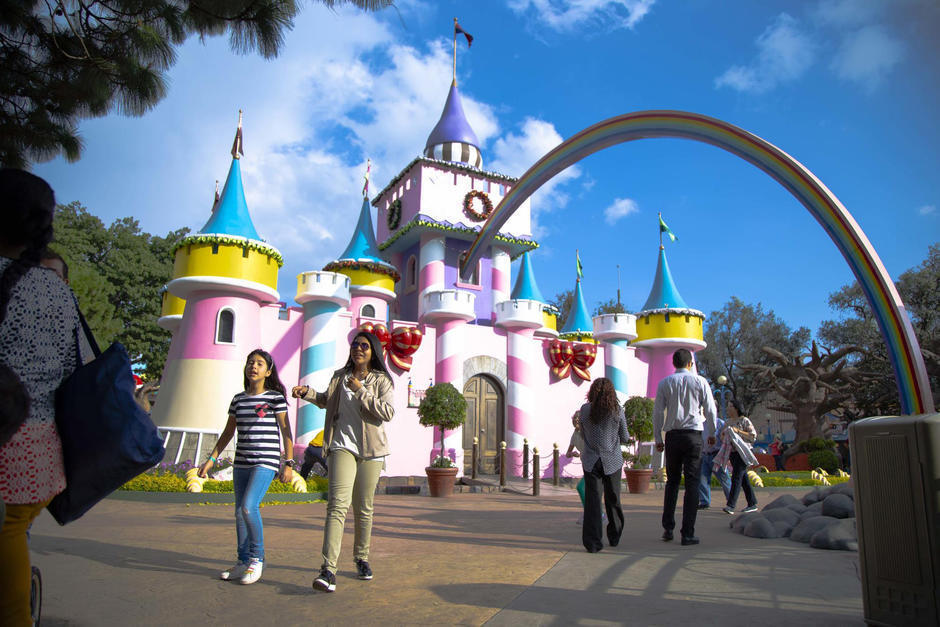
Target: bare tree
column 812, row 384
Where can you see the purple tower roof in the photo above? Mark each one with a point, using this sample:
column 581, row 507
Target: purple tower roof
column 453, row 129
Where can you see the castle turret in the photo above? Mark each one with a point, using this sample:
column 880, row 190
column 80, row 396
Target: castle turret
column 578, row 325
column 225, row 273
column 452, row 138
column 666, row 324
column 371, row 278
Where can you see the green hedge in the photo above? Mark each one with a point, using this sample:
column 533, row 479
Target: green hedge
column 825, row 459
column 170, row 482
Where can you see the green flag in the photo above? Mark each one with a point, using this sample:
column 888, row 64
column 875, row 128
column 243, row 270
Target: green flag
column 665, row 229
column 580, row 268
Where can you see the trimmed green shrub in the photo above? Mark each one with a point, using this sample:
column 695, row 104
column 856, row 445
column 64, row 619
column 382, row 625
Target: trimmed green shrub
column 826, row 459
column 169, row 482
column 639, row 413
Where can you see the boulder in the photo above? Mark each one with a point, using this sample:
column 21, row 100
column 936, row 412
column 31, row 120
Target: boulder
column 814, row 497
column 838, row 506
column 812, row 511
column 784, row 500
column 760, row 527
column 797, row 507
column 844, row 488
column 782, row 514
column 840, row 536
column 784, row 528
column 808, row 527
column 738, row 523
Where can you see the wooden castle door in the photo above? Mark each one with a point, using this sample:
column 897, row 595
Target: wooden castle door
column 484, row 421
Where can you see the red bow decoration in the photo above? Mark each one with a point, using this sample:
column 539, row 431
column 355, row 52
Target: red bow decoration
column 400, row 345
column 259, row 409
column 571, row 356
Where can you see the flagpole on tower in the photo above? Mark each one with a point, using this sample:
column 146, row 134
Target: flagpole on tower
column 660, row 229
column 455, row 51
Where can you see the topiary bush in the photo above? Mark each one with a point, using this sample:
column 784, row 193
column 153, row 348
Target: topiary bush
column 442, row 406
column 825, row 459
column 639, row 413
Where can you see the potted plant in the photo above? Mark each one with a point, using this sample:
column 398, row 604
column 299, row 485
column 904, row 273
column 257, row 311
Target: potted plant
column 639, row 413
column 443, row 406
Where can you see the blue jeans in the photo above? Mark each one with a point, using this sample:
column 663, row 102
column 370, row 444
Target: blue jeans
column 251, row 484
column 705, row 487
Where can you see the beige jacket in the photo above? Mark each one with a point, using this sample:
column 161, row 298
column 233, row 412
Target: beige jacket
column 376, row 406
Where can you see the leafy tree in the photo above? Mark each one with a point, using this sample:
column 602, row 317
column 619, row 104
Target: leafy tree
column 919, row 288
column 116, row 273
column 64, row 60
column 735, row 335
column 609, row 306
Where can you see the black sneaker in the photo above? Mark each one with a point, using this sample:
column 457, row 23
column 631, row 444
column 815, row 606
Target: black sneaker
column 325, row 581
column 362, row 570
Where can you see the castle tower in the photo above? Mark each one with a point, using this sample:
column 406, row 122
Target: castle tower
column 371, row 278
column 521, row 316
column 665, row 325
column 225, row 273
column 527, row 288
column 578, row 326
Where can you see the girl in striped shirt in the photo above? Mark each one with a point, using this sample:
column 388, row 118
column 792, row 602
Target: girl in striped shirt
column 259, row 414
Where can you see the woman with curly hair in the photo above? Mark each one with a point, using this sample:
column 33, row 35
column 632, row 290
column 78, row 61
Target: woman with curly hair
column 604, row 429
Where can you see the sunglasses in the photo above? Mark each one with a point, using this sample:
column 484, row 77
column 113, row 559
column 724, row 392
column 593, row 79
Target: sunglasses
column 363, row 346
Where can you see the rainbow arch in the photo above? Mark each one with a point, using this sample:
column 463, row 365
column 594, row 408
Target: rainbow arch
column 906, row 359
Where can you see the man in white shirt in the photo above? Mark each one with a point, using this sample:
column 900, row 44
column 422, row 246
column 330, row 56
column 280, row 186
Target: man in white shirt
column 683, row 406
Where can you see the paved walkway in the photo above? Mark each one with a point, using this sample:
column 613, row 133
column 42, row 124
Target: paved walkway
column 496, row 558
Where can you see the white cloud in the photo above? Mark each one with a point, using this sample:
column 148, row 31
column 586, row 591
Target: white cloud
column 848, row 13
column 515, row 153
column 927, row 210
column 621, row 208
column 784, row 53
column 866, row 56
column 567, row 15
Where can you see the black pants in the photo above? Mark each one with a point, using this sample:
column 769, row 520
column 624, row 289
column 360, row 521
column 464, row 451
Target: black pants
column 683, row 452
column 591, row 532
column 739, row 480
column 312, row 455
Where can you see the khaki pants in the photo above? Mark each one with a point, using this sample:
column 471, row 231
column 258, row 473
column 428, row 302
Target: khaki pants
column 352, row 480
column 15, row 575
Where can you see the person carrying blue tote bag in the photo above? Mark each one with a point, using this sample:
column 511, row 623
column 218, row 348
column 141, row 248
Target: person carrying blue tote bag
column 107, row 438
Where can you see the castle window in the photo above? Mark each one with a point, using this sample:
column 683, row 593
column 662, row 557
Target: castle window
column 367, row 311
column 283, row 313
column 245, row 252
column 225, row 327
column 667, row 316
column 411, row 274
column 215, row 249
column 474, row 279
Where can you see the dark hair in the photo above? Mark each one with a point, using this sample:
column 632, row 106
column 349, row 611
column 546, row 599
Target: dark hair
column 682, row 358
column 603, row 399
column 375, row 360
column 273, row 381
column 737, row 406
column 48, row 253
column 27, row 204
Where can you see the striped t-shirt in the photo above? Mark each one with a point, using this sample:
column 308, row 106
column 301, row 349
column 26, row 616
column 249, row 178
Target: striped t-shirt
column 259, row 442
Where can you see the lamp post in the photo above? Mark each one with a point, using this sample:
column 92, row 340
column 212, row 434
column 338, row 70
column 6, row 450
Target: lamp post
column 720, row 393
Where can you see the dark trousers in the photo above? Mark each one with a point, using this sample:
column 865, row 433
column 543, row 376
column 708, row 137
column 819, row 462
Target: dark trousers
column 312, row 455
column 739, row 480
column 683, row 453
column 591, row 533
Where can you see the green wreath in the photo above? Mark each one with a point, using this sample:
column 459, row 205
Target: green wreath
column 393, row 219
column 470, row 212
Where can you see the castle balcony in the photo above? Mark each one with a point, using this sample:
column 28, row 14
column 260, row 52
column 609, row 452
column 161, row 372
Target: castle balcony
column 323, row 286
column 448, row 305
column 615, row 326
column 519, row 314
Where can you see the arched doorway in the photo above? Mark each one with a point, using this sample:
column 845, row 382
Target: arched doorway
column 484, row 421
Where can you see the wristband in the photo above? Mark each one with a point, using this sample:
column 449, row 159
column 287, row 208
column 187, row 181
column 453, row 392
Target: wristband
column 212, row 459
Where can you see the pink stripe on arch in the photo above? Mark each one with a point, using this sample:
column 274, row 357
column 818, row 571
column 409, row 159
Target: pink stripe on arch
column 432, row 274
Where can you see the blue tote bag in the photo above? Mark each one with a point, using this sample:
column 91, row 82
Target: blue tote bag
column 107, row 438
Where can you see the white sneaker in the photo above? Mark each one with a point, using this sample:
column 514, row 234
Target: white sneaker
column 253, row 573
column 235, row 572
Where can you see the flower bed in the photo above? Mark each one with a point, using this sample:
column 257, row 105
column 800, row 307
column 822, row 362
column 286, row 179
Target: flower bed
column 170, row 478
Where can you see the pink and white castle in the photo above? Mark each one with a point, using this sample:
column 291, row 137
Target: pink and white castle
column 494, row 338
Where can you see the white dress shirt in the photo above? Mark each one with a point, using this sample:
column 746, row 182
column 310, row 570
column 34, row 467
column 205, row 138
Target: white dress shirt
column 683, row 401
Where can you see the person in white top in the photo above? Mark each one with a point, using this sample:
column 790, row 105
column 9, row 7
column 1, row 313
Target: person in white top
column 683, row 405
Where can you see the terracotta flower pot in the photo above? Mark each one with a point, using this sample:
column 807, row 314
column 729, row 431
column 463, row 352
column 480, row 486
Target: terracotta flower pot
column 638, row 479
column 441, row 481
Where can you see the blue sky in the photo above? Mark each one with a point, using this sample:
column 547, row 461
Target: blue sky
column 850, row 88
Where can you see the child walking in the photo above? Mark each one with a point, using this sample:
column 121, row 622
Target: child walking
column 258, row 413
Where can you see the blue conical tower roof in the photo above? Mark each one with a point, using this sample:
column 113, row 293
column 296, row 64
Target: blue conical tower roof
column 231, row 215
column 362, row 246
column 526, row 287
column 578, row 322
column 453, row 125
column 664, row 293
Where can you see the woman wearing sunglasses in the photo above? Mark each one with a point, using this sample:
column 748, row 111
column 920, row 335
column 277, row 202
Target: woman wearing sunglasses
column 358, row 401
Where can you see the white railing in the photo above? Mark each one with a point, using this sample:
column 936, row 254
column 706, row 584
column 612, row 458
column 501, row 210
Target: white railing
column 167, row 433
